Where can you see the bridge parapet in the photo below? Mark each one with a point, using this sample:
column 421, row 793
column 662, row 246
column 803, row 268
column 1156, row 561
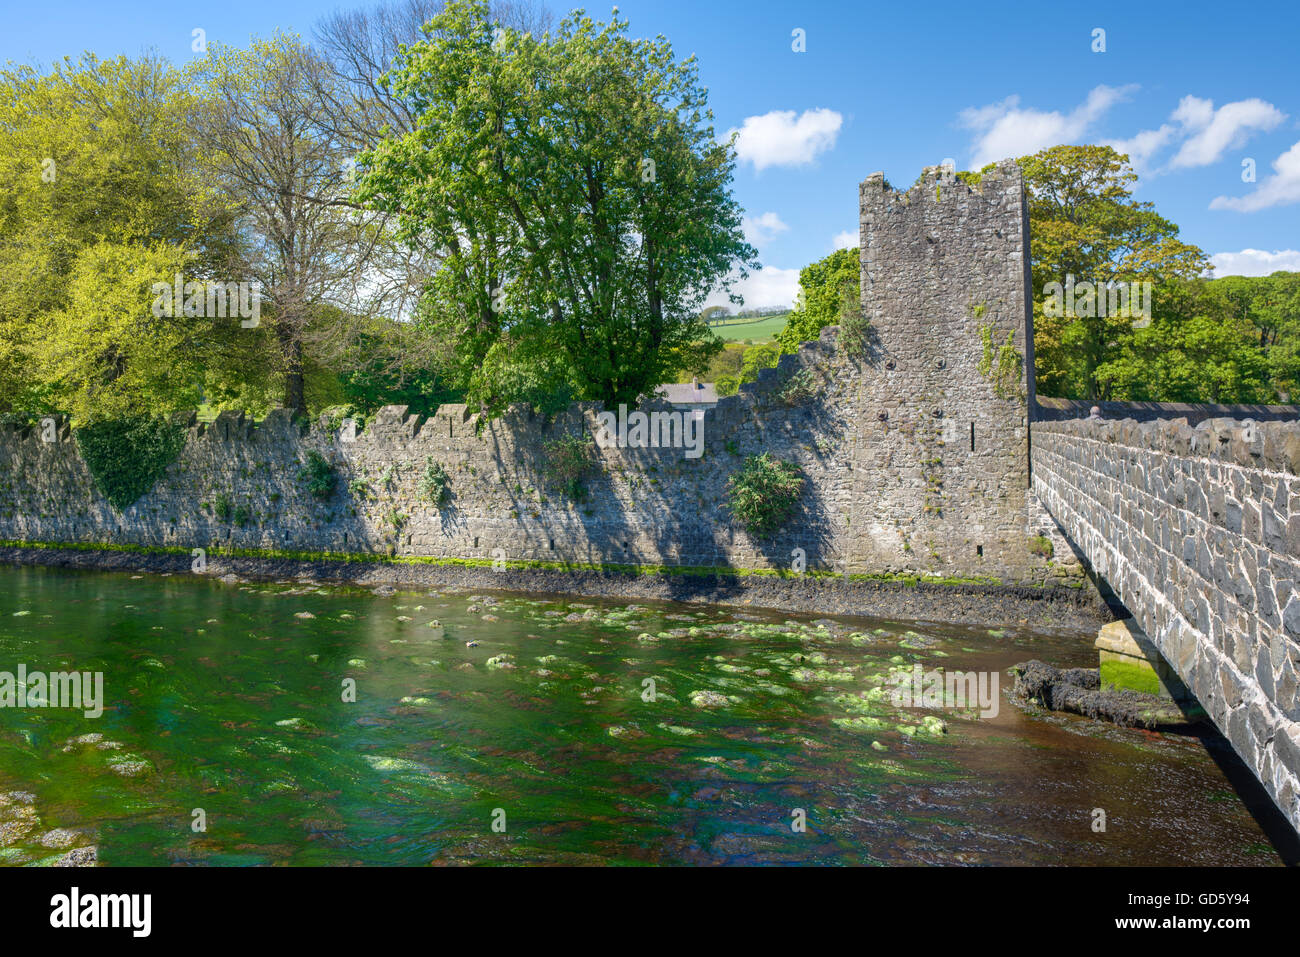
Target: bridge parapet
column 1198, row 532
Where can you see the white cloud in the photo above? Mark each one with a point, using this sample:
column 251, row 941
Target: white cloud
column 1142, row 147
column 768, row 286
column 1213, row 132
column 761, row 230
column 849, row 239
column 1256, row 262
column 782, row 138
column 1004, row 130
column 1280, row 189
column 1205, row 133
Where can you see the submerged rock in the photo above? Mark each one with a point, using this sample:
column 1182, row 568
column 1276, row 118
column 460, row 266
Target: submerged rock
column 129, row 766
column 79, row 857
column 709, row 699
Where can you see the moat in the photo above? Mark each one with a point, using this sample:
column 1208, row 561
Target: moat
column 517, row 730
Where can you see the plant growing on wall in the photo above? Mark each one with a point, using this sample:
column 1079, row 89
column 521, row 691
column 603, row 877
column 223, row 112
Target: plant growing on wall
column 434, row 483
column 1002, row 365
column 126, row 456
column 567, row 460
column 800, row 387
column 318, row 475
column 762, row 494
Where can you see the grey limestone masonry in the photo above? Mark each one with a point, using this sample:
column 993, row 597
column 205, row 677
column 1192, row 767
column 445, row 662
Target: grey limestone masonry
column 914, row 463
column 1198, row 532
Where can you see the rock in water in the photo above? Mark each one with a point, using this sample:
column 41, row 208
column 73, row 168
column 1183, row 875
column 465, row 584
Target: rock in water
column 1078, row 691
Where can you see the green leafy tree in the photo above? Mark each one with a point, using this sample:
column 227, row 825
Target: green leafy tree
column 100, row 200
column 575, row 187
column 1200, row 358
column 1084, row 223
column 829, row 292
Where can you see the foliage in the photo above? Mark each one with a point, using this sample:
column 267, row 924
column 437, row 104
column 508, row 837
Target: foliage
column 380, row 374
column 318, row 475
column 126, row 456
column 763, row 492
column 1003, row 365
column 1084, row 223
column 575, row 180
column 829, row 292
column 434, row 483
column 567, row 460
column 1041, row 546
column 101, row 198
column 800, row 387
column 756, row 359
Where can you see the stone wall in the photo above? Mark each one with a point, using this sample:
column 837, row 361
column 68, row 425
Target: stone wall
column 915, row 457
column 1198, row 532
column 1056, row 410
column 642, row 506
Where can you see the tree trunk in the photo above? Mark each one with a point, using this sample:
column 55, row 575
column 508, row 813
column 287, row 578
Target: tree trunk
column 295, row 398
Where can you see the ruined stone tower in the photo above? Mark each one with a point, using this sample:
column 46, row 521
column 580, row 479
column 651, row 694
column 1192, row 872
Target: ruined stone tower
column 945, row 286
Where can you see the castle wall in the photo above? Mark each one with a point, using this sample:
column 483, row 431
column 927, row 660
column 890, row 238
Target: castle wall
column 883, row 439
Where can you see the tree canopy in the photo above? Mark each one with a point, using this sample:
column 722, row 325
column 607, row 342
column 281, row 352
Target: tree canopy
column 577, row 192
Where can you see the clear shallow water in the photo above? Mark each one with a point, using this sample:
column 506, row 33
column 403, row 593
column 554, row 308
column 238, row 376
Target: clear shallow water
column 228, row 698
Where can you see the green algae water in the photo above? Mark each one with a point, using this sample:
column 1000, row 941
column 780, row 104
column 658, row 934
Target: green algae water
column 498, row 728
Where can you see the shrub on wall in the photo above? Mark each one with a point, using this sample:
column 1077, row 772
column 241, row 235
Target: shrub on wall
column 800, row 387
column 762, row 494
column 126, row 456
column 567, row 461
column 434, row 483
column 1002, row 365
column 319, row 476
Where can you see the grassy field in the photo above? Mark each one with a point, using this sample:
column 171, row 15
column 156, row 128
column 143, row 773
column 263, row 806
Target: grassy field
column 761, row 329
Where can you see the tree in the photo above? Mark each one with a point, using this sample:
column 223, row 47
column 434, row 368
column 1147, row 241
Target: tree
column 573, row 184
column 1084, row 224
column 100, row 201
column 829, row 292
column 266, row 124
column 1204, row 357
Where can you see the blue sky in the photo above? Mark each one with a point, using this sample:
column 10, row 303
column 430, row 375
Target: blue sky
column 1190, row 89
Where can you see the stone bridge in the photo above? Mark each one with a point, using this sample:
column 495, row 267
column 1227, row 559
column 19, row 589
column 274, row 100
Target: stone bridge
column 1197, row 531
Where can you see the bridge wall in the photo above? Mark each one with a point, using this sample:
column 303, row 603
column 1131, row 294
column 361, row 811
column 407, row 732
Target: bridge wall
column 1198, row 532
column 1052, row 409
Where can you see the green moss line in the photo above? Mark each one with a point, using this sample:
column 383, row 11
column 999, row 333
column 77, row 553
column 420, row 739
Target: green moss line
column 522, row 564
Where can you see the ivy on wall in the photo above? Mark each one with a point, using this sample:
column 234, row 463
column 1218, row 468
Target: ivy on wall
column 127, row 456
column 1001, row 364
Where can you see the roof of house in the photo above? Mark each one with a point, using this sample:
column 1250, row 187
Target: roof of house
column 689, row 393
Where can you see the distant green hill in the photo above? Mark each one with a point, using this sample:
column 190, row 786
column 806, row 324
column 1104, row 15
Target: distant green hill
column 759, row 329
